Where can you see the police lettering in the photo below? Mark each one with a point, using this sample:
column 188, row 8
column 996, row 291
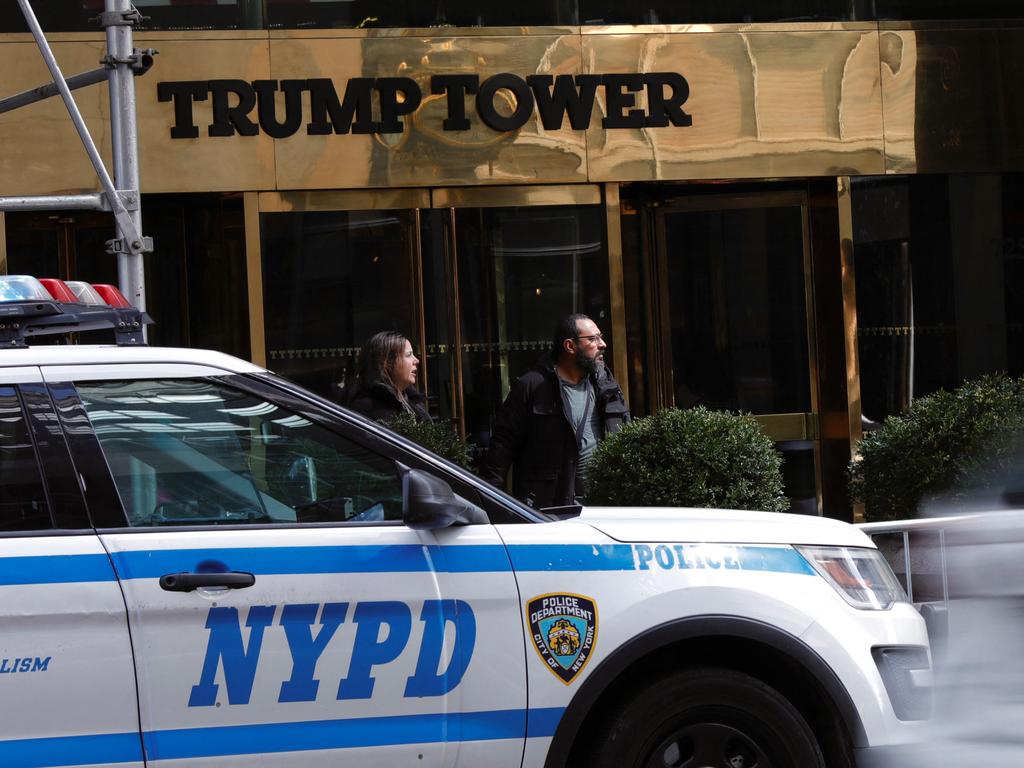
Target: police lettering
column 383, row 629
column 376, row 105
column 685, row 557
column 560, row 605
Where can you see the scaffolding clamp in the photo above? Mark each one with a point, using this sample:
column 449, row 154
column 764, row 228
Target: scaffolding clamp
column 128, row 18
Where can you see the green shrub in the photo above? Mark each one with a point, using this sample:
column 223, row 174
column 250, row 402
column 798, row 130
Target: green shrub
column 948, row 445
column 434, row 436
column 688, row 458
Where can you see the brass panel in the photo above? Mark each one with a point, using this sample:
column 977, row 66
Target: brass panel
column 763, row 104
column 616, row 284
column 378, row 32
column 209, row 163
column 344, row 200
column 42, row 153
column 789, row 426
column 954, row 100
column 254, row 279
column 854, row 408
column 503, row 197
column 784, row 26
column 425, row 154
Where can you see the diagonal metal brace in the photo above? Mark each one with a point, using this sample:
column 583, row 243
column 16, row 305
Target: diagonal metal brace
column 140, row 61
column 132, row 236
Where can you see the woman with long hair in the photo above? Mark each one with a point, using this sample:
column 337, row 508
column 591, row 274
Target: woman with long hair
column 385, row 384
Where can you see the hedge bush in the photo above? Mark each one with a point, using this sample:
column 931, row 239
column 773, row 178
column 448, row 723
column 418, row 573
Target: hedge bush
column 948, row 446
column 434, row 436
column 688, row 458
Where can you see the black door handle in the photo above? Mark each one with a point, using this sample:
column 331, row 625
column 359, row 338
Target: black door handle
column 186, row 582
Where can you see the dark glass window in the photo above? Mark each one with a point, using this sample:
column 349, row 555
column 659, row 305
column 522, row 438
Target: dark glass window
column 939, row 284
column 424, row 13
column 23, row 504
column 718, row 12
column 78, row 15
column 331, row 280
column 82, row 15
column 520, row 271
column 946, row 9
column 194, row 452
column 196, row 287
column 738, row 308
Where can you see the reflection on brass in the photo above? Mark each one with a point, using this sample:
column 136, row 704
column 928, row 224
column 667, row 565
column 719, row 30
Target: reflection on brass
column 425, row 154
column 455, row 323
column 899, row 94
column 42, row 153
column 616, row 284
column 344, row 200
column 501, row 197
column 763, row 104
column 789, row 426
column 691, row 29
column 957, row 102
column 254, row 279
column 392, row 32
column 853, row 398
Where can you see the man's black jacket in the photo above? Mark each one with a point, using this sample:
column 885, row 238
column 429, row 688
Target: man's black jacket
column 533, row 435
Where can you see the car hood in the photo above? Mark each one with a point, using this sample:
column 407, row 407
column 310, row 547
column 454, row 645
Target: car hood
column 652, row 524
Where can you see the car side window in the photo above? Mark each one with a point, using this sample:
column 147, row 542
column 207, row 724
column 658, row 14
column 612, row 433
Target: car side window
column 197, row 452
column 23, row 505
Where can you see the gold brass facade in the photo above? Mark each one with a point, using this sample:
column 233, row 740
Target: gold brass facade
column 767, row 101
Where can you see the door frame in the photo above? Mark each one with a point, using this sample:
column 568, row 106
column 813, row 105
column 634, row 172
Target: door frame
column 661, row 390
column 447, row 199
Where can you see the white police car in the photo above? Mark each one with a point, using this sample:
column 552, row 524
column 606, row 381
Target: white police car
column 201, row 564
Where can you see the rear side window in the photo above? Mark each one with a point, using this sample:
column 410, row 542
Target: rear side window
column 23, row 504
column 196, row 452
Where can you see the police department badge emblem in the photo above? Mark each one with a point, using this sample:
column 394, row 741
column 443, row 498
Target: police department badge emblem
column 564, row 630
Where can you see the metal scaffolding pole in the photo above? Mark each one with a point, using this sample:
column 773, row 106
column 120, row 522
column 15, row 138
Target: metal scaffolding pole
column 121, row 194
column 124, row 133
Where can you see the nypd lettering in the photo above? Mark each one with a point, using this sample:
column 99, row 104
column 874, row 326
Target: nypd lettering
column 563, row 628
column 668, row 557
column 383, row 629
column 24, row 664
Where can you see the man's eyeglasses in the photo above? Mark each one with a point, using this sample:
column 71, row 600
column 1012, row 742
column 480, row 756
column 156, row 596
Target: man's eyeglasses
column 592, row 339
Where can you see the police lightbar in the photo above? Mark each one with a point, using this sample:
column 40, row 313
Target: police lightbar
column 32, row 307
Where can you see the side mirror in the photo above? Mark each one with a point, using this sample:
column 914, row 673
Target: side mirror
column 429, row 502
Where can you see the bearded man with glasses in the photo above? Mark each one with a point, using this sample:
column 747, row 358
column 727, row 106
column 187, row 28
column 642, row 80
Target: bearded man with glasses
column 553, row 418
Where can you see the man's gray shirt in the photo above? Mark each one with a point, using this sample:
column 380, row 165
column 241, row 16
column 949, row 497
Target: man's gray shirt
column 579, row 400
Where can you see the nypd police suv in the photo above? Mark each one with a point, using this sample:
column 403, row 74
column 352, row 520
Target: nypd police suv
column 201, row 564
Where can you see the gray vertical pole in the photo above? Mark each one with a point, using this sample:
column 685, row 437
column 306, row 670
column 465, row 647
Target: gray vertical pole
column 125, row 145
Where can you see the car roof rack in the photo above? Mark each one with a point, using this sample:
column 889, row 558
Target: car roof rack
column 20, row 320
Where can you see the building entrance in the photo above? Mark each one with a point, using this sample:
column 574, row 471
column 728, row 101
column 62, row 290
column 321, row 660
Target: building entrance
column 475, row 278
column 731, row 279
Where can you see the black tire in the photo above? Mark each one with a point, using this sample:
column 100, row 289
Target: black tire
column 702, row 718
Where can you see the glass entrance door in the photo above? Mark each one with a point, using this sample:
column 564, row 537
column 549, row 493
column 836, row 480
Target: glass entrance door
column 520, row 269
column 475, row 278
column 734, row 320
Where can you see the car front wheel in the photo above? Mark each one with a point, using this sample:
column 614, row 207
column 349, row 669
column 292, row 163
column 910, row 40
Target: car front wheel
column 706, row 718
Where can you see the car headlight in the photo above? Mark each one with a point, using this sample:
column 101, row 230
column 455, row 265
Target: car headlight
column 861, row 576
